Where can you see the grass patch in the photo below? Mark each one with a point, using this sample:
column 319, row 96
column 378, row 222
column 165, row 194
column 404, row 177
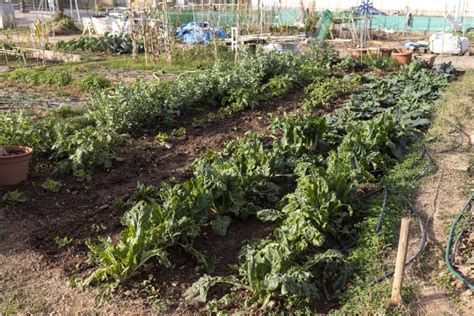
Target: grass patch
column 63, row 74
column 93, row 82
column 39, row 76
column 369, row 258
column 455, row 104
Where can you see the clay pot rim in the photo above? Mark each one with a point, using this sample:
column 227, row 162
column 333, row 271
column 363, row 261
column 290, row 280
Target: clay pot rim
column 385, row 49
column 402, row 52
column 359, row 49
column 27, row 151
column 426, row 56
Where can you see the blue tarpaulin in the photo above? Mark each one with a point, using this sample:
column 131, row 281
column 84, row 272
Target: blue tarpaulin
column 198, row 32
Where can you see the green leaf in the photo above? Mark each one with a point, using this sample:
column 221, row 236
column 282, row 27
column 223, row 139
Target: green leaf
column 198, row 291
column 268, row 215
column 51, row 185
column 221, row 224
column 14, row 197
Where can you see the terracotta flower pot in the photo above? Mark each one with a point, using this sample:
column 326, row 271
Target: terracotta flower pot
column 357, row 52
column 403, row 56
column 428, row 59
column 14, row 167
column 380, row 51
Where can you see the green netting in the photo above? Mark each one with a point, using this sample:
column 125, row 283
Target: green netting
column 288, row 17
column 324, row 24
column 420, row 23
column 227, row 18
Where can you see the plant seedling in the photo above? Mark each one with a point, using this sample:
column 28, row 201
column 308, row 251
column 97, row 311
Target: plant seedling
column 62, row 242
column 163, row 138
column 14, row 197
column 51, row 185
column 180, row 132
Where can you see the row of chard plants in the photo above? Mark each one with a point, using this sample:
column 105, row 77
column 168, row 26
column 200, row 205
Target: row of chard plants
column 82, row 140
column 325, row 160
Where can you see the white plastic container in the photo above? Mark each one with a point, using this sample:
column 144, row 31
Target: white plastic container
column 447, row 43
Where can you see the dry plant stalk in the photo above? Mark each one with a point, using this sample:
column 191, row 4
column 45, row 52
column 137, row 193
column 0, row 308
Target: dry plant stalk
column 166, row 33
column 133, row 36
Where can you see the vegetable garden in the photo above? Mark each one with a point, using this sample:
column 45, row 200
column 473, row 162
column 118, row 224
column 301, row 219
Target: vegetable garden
column 309, row 184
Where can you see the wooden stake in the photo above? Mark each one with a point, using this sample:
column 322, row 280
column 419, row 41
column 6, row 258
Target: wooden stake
column 238, row 30
column 396, row 298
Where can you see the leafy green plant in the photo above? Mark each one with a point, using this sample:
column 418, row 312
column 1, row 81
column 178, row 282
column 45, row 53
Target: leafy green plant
column 85, row 149
column 14, row 197
column 322, row 91
column 16, row 129
column 380, row 62
column 93, row 82
column 179, row 132
column 62, row 242
column 240, row 99
column 39, row 76
column 300, row 135
column 163, row 138
column 279, row 85
column 51, row 185
column 348, row 63
column 107, row 43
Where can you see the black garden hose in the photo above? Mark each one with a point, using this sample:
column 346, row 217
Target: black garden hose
column 421, row 246
column 451, row 267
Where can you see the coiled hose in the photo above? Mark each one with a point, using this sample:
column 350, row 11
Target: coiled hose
column 451, row 268
column 421, row 246
column 423, row 228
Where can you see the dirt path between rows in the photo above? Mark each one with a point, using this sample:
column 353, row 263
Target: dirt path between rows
column 35, row 272
column 440, row 197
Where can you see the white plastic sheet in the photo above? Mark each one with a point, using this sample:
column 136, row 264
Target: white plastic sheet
column 447, row 43
column 102, row 25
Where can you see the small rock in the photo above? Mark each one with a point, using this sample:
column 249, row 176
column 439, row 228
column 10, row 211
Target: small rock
column 441, row 264
column 174, row 283
column 465, row 270
column 457, row 284
column 466, row 293
column 471, row 237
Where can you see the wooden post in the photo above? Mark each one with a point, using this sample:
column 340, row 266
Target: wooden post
column 400, row 263
column 237, row 30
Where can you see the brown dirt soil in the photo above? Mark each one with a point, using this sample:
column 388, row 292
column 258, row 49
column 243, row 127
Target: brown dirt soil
column 35, row 271
column 38, row 98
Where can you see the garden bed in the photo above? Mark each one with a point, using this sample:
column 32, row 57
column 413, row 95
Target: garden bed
column 295, row 173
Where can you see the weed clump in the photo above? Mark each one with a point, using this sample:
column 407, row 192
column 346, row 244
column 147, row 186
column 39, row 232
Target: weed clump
column 93, row 82
column 39, row 76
